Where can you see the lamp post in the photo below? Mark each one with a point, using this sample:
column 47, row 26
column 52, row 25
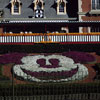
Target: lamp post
column 12, row 85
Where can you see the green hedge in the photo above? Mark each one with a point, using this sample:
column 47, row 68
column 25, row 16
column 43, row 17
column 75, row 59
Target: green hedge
column 50, row 89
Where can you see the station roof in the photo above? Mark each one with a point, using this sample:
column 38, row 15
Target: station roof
column 27, row 11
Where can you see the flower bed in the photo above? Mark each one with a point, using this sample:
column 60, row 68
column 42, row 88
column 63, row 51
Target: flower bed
column 80, row 57
column 50, row 68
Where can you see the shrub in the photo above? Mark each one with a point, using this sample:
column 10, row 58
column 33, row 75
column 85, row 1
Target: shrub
column 49, row 89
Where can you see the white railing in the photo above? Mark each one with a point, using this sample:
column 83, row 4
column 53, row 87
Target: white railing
column 52, row 38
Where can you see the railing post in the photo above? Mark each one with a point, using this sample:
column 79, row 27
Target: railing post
column 12, row 85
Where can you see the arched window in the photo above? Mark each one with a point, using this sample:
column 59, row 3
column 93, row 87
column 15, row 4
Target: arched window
column 39, row 8
column 61, row 7
column 39, row 5
column 15, row 7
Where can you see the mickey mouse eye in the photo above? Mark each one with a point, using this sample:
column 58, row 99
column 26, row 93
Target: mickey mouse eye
column 41, row 62
column 54, row 61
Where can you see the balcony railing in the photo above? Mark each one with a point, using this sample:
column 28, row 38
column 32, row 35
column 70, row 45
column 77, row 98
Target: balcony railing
column 48, row 38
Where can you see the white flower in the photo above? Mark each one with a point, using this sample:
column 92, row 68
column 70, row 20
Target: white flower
column 65, row 63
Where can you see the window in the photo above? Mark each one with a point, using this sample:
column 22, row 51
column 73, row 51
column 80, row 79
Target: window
column 39, row 5
column 61, row 7
column 15, row 7
column 95, row 4
column 39, row 8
